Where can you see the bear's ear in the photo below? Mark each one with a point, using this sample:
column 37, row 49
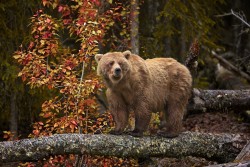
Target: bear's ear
column 98, row 57
column 127, row 54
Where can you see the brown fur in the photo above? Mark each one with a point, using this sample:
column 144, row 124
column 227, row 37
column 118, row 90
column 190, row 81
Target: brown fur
column 145, row 86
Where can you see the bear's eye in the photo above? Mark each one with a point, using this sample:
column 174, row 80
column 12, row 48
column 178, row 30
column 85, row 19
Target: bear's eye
column 111, row 63
column 120, row 64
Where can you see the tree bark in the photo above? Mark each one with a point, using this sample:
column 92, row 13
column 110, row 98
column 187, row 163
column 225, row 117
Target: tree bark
column 13, row 116
column 219, row 147
column 216, row 100
column 134, row 32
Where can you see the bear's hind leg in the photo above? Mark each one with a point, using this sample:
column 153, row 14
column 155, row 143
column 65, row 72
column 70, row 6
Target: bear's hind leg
column 173, row 115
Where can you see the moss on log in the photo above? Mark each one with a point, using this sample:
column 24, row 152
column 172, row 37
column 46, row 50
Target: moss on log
column 220, row 147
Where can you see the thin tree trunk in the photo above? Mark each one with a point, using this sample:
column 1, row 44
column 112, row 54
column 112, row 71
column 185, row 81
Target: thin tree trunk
column 134, row 32
column 13, row 115
column 183, row 41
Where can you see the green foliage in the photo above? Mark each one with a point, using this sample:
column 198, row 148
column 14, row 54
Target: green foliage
column 13, row 27
column 179, row 23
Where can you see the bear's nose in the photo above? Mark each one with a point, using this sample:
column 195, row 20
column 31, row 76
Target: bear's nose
column 118, row 71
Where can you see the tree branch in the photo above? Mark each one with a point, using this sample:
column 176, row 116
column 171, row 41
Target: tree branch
column 220, row 147
column 240, row 18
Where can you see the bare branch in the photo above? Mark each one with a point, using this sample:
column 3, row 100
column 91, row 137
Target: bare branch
column 240, row 18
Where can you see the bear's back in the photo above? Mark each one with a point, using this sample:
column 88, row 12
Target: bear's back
column 167, row 74
column 167, row 69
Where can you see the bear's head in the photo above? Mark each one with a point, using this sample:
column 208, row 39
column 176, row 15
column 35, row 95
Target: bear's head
column 113, row 66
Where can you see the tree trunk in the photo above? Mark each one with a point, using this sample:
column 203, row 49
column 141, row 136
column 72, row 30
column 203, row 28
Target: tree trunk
column 219, row 147
column 183, row 41
column 216, row 100
column 13, row 115
column 134, row 32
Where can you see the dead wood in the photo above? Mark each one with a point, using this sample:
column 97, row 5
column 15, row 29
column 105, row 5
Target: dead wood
column 219, row 147
column 219, row 100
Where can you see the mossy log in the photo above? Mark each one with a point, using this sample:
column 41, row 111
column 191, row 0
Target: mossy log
column 219, row 100
column 219, row 147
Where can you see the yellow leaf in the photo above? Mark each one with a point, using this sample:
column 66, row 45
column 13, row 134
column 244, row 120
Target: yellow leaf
column 99, row 31
column 41, row 51
column 56, row 125
column 54, row 5
column 17, row 56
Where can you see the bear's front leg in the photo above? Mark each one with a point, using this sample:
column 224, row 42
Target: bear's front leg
column 118, row 111
column 121, row 120
column 142, row 119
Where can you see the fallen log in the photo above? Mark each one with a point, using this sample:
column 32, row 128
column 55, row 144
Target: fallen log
column 219, row 147
column 217, row 100
column 233, row 164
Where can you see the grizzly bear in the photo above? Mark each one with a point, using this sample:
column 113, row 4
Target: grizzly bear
column 145, row 86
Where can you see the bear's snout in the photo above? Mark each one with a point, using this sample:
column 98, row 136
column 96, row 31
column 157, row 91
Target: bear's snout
column 117, row 71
